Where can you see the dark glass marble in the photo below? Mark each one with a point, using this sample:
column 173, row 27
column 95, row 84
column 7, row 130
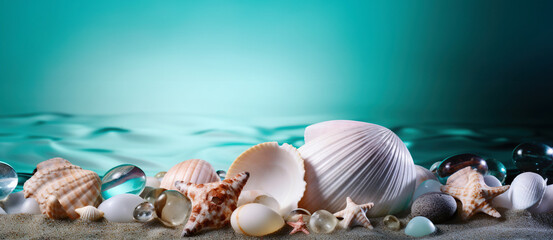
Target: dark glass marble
column 497, row 169
column 457, row 162
column 533, row 157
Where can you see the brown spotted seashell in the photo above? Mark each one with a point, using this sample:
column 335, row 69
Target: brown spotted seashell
column 60, row 187
column 195, row 171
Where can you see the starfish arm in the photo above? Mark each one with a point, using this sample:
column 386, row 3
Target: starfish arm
column 454, row 191
column 362, row 220
column 340, row 213
column 349, row 202
column 492, row 192
column 367, row 206
column 346, row 222
column 487, row 209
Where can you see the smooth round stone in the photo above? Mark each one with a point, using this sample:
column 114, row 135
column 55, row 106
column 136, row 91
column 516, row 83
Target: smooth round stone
column 492, row 181
column 120, row 208
column 152, row 182
column 126, row 178
column 392, row 222
column 295, row 215
column 437, row 207
column 533, row 157
column 419, row 226
column 160, row 175
column 144, row 212
column 322, row 221
column 8, row 180
column 427, row 186
column 497, row 169
column 457, row 162
column 222, row 174
column 435, row 166
column 17, row 203
column 173, row 208
column 152, row 195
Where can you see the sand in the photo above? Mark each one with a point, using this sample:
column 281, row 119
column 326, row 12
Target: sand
column 513, row 225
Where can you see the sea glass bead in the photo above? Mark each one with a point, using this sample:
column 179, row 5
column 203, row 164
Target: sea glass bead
column 533, row 157
column 124, row 178
column 392, row 222
column 435, row 166
column 322, row 221
column 222, row 174
column 457, row 162
column 419, row 226
column 154, row 194
column 497, row 169
column 144, row 212
column 295, row 215
column 172, row 208
column 160, row 175
column 427, row 186
column 8, row 180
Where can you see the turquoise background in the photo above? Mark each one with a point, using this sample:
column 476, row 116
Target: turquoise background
column 390, row 61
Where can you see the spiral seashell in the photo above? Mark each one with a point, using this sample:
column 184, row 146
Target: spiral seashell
column 60, row 187
column 89, row 213
column 365, row 161
column 195, row 171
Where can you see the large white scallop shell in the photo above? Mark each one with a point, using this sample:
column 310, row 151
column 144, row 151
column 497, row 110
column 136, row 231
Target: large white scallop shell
column 365, row 161
column 546, row 204
column 194, row 171
column 527, row 190
column 275, row 170
column 89, row 213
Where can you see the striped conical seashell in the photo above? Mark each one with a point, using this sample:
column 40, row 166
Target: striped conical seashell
column 60, row 187
column 89, row 213
column 195, row 171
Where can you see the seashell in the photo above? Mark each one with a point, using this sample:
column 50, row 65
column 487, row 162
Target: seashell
column 328, row 127
column 424, row 174
column 195, row 171
column 546, row 204
column 60, row 187
column 256, row 220
column 276, row 170
column 365, row 161
column 89, row 213
column 527, row 190
column 256, row 196
column 120, row 208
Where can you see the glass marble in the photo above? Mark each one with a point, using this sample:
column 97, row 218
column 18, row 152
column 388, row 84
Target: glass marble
column 497, row 169
column 419, row 226
column 8, row 180
column 533, row 157
column 160, row 175
column 154, row 194
column 172, row 208
column 126, row 178
column 145, row 192
column 222, row 174
column 144, row 212
column 392, row 222
column 427, row 186
column 435, row 166
column 457, row 162
column 322, row 221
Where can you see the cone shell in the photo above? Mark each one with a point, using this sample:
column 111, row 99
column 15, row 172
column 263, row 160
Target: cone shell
column 60, row 187
column 89, row 213
column 276, row 170
column 527, row 190
column 195, row 171
column 365, row 161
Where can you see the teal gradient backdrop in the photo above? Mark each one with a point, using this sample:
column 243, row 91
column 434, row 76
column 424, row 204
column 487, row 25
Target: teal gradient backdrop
column 412, row 61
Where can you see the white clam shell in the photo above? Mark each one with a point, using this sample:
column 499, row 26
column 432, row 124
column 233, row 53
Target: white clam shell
column 255, row 220
column 365, row 161
column 276, row 170
column 90, row 213
column 120, row 208
column 256, row 196
column 424, row 174
column 194, row 171
column 546, row 204
column 527, row 190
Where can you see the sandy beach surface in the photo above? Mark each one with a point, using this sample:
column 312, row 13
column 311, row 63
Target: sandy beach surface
column 512, row 225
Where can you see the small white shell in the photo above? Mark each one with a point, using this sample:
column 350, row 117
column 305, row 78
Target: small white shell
column 255, row 220
column 364, row 161
column 546, row 204
column 275, row 170
column 527, row 190
column 89, row 213
column 424, row 174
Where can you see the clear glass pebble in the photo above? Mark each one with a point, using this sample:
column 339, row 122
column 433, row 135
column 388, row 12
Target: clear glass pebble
column 172, row 208
column 533, row 157
column 154, row 194
column 124, row 178
column 497, row 169
column 457, row 162
column 8, row 180
column 144, row 212
column 322, row 221
column 295, row 214
column 419, row 226
column 392, row 222
column 222, row 174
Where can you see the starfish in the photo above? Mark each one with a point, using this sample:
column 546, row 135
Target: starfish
column 474, row 194
column 355, row 215
column 298, row 226
column 212, row 203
